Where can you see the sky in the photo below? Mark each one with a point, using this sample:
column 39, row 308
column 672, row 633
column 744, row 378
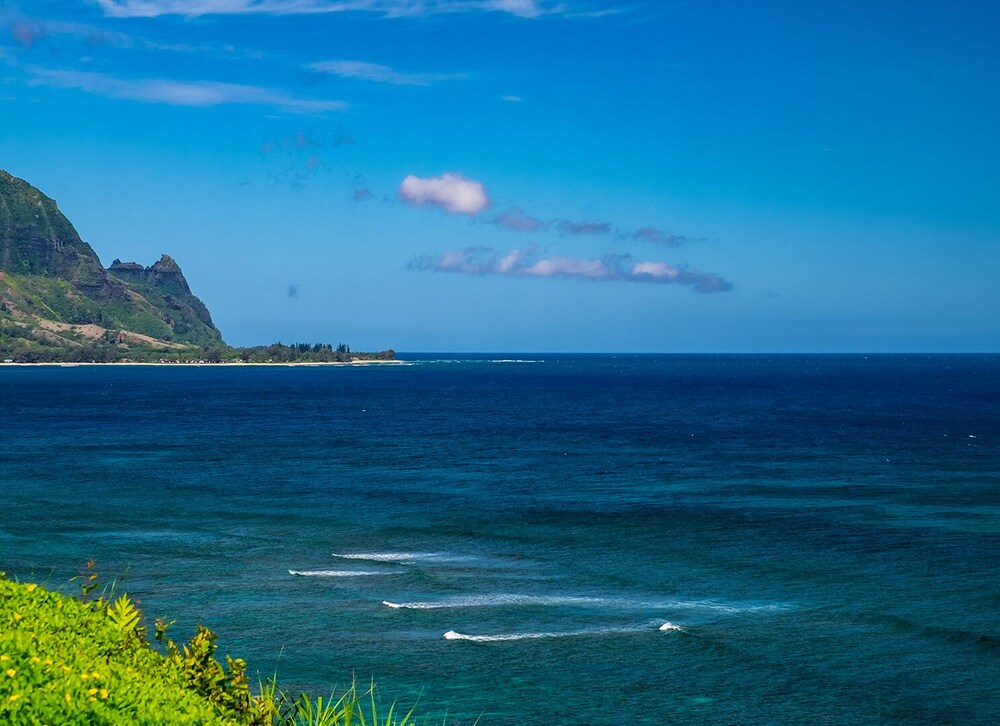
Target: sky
column 531, row 175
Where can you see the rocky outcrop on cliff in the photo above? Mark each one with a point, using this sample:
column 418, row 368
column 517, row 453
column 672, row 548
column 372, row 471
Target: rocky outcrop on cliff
column 163, row 284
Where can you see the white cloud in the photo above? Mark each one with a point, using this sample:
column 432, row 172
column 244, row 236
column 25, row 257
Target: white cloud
column 570, row 267
column 379, row 73
column 508, row 262
column 451, row 192
column 523, row 8
column 656, row 270
column 388, row 8
column 525, row 263
column 179, row 93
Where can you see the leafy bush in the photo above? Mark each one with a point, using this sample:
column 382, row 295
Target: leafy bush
column 64, row 661
column 87, row 662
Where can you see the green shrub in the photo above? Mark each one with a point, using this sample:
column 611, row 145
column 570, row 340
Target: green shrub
column 87, row 662
column 63, row 661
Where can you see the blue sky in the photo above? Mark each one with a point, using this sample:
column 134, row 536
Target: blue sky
column 525, row 175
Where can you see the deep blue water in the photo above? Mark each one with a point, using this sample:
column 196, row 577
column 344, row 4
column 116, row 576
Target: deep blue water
column 823, row 530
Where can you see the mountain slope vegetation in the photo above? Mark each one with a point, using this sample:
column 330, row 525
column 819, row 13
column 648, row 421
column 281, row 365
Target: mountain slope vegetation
column 58, row 302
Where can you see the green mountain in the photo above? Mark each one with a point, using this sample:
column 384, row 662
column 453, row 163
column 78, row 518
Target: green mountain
column 58, row 302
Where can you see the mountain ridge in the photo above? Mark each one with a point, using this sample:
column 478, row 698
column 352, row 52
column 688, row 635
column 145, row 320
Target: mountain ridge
column 58, row 303
column 57, row 299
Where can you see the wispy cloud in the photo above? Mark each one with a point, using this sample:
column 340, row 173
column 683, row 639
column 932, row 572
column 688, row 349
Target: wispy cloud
column 512, row 99
column 379, row 73
column 295, row 158
column 305, row 139
column 527, row 263
column 566, row 226
column 517, row 220
column 26, row 32
column 451, row 192
column 388, row 8
column 659, row 237
column 29, row 30
column 179, row 93
column 523, row 8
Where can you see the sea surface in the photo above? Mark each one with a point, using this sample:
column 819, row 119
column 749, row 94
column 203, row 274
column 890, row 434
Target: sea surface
column 543, row 539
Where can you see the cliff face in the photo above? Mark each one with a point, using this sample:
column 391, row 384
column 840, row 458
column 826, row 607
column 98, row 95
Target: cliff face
column 55, row 292
column 37, row 239
column 164, row 275
column 163, row 284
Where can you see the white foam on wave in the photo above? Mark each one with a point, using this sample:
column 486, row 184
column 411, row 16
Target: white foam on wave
column 671, row 626
column 337, row 573
column 498, row 600
column 593, row 632
column 514, row 600
column 724, row 607
column 403, row 557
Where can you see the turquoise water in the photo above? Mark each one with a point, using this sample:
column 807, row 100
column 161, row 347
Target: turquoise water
column 511, row 539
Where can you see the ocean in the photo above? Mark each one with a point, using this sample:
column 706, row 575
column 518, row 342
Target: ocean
column 531, row 539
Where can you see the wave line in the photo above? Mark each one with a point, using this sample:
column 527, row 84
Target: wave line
column 510, row 600
column 403, row 557
column 453, row 635
column 474, row 601
column 337, row 573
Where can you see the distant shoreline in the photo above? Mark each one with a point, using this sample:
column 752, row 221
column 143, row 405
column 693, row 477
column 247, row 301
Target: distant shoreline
column 203, row 364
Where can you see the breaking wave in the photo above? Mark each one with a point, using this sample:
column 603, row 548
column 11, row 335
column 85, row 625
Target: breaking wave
column 337, row 573
column 511, row 600
column 593, row 632
column 475, row 601
column 403, row 557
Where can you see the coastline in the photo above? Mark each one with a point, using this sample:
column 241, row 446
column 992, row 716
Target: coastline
column 204, row 364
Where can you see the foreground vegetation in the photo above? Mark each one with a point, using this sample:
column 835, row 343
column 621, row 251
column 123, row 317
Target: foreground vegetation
column 83, row 662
